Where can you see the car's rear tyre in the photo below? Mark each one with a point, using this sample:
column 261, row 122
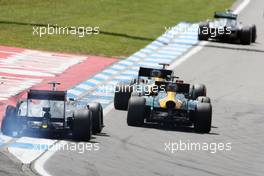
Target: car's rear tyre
column 10, row 122
column 201, row 34
column 203, row 118
column 197, row 90
column 122, row 95
column 97, row 117
column 204, row 99
column 82, row 125
column 254, row 33
column 246, row 35
column 136, row 111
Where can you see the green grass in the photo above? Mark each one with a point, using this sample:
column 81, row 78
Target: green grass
column 136, row 18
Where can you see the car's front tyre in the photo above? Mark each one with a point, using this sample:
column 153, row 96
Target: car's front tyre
column 204, row 99
column 197, row 90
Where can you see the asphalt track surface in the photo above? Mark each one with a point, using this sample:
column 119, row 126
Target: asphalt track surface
column 234, row 78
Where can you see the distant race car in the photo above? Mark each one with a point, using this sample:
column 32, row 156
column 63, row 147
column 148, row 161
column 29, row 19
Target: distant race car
column 168, row 101
column 49, row 113
column 144, row 81
column 226, row 27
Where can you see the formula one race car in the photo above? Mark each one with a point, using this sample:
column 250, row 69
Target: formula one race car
column 171, row 102
column 225, row 27
column 49, row 113
column 146, row 78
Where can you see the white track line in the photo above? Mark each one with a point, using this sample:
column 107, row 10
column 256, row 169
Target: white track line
column 108, row 108
column 241, row 6
column 187, row 55
column 39, row 164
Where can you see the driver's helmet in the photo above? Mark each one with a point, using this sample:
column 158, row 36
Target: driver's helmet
column 47, row 115
column 229, row 11
column 156, row 74
column 172, row 87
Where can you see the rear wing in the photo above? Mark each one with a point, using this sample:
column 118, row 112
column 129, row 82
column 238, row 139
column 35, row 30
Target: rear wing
column 47, row 95
column 148, row 72
column 225, row 15
column 174, row 87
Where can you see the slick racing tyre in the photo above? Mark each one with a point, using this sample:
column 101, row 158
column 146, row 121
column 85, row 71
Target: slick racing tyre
column 203, row 118
column 254, row 33
column 97, row 117
column 202, row 35
column 197, row 90
column 246, row 35
column 204, row 99
column 122, row 95
column 201, row 99
column 10, row 122
column 136, row 111
column 82, row 125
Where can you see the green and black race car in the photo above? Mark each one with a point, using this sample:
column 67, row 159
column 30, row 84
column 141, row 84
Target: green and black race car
column 226, row 27
column 157, row 96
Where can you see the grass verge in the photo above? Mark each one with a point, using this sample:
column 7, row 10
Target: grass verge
column 125, row 25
